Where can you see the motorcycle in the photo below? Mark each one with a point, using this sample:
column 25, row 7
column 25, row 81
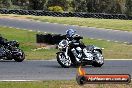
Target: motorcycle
column 11, row 51
column 75, row 53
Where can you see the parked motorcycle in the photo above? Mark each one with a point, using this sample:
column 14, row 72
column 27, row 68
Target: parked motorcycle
column 11, row 51
column 74, row 52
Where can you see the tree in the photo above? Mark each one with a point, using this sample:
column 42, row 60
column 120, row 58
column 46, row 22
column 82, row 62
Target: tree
column 37, row 4
column 55, row 9
column 62, row 3
column 92, row 6
column 6, row 3
column 80, row 5
column 129, row 7
column 121, row 4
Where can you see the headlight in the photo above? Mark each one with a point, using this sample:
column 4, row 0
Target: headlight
column 62, row 44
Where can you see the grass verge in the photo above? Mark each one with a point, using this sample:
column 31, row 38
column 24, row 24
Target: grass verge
column 27, row 41
column 59, row 84
column 123, row 25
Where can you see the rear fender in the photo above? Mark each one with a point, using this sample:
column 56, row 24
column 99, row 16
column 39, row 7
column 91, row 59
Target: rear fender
column 98, row 49
column 94, row 48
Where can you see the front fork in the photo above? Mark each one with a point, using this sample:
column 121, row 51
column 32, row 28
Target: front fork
column 66, row 53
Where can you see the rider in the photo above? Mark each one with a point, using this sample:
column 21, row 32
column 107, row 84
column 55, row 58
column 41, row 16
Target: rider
column 75, row 43
column 70, row 33
column 72, row 36
column 3, row 41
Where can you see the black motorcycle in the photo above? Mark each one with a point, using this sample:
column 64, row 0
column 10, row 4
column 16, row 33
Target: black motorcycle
column 74, row 53
column 11, row 51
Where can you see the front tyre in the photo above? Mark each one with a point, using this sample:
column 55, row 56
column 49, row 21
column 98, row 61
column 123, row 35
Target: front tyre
column 98, row 59
column 20, row 56
column 63, row 61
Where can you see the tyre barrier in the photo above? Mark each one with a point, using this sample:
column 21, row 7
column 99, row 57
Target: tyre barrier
column 66, row 14
column 49, row 38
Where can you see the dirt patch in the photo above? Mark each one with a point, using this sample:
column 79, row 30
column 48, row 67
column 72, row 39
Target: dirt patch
column 44, row 46
column 39, row 45
column 15, row 17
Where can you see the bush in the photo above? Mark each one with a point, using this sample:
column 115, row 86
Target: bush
column 55, row 9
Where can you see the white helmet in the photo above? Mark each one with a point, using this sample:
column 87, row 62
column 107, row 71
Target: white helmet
column 70, row 32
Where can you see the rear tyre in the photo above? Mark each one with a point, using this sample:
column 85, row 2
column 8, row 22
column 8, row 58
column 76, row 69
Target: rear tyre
column 98, row 60
column 63, row 61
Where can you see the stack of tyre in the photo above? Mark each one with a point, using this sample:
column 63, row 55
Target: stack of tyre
column 49, row 38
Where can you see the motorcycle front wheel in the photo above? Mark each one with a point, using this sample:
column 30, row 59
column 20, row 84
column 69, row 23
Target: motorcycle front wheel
column 63, row 61
column 98, row 59
column 20, row 57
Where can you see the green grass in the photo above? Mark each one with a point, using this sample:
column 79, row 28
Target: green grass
column 112, row 50
column 124, row 25
column 27, row 41
column 59, row 84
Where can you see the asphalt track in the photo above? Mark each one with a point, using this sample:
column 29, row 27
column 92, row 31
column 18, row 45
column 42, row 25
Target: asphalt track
column 51, row 70
column 113, row 35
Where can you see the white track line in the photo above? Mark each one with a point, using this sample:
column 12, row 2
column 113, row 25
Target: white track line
column 108, row 40
column 91, row 27
column 125, row 31
column 116, row 41
column 125, row 42
column 10, row 27
column 91, row 38
column 17, row 28
column 109, row 29
column 38, row 21
column 100, row 39
column 30, row 30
